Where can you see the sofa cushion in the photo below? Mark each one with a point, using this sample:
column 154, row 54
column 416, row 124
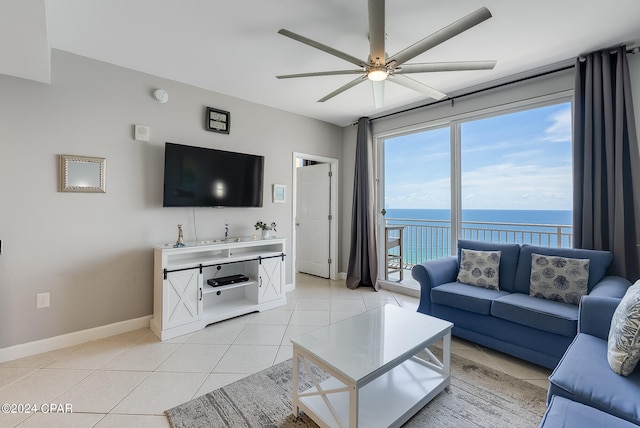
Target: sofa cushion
column 598, row 264
column 563, row 413
column 509, row 254
column 556, row 278
column 624, row 335
column 467, row 297
column 546, row 315
column 584, row 375
column 479, row 268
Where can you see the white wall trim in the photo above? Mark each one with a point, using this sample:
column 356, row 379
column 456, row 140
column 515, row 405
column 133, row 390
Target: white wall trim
column 478, row 113
column 70, row 339
column 399, row 288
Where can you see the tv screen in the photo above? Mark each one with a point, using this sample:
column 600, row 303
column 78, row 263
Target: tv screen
column 201, row 177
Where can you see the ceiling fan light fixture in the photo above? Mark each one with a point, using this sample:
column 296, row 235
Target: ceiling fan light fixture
column 379, row 66
column 377, row 74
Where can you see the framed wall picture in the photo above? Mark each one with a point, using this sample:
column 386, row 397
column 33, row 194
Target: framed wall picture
column 82, row 174
column 217, row 120
column 279, row 194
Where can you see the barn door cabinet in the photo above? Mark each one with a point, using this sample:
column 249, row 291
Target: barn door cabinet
column 183, row 301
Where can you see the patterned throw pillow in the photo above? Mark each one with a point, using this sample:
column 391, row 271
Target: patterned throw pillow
column 624, row 335
column 559, row 278
column 480, row 268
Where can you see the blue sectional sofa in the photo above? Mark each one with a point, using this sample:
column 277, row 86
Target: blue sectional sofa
column 509, row 319
column 583, row 389
column 564, row 413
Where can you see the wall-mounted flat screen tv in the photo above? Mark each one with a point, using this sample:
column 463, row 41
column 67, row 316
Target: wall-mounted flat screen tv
column 201, row 177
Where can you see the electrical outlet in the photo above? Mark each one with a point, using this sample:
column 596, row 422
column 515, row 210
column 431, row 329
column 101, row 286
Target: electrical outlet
column 42, row 300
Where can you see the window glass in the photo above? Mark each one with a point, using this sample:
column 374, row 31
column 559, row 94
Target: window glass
column 515, row 180
column 516, row 177
column 417, row 192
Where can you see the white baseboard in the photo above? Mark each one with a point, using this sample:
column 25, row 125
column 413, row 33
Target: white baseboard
column 342, row 275
column 289, row 287
column 70, row 339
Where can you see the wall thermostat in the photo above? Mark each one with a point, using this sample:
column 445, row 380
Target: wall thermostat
column 141, row 133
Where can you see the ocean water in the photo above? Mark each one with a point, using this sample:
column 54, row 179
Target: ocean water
column 427, row 233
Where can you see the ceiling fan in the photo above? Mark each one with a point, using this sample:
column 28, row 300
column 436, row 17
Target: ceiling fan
column 380, row 67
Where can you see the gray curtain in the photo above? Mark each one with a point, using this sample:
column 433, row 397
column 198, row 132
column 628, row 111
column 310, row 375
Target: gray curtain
column 363, row 261
column 606, row 211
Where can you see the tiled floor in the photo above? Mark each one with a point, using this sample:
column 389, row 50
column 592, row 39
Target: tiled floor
column 131, row 379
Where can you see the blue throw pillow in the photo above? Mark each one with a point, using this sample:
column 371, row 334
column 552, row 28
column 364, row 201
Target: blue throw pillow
column 480, row 268
column 508, row 259
column 623, row 344
column 559, row 278
column 598, row 263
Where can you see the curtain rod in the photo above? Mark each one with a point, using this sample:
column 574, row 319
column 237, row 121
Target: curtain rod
column 452, row 99
column 634, row 49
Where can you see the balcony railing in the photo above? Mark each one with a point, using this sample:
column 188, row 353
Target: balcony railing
column 431, row 239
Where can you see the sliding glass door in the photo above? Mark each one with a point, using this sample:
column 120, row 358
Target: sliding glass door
column 417, row 195
column 499, row 177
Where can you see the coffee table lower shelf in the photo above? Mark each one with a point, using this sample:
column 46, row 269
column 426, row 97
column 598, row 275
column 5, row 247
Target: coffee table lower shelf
column 387, row 401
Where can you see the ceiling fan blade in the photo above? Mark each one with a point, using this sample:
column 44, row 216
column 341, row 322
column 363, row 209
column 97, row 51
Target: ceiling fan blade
column 445, row 66
column 442, row 35
column 378, row 93
column 410, row 83
column 320, row 73
column 322, row 47
column 376, row 31
column 343, row 88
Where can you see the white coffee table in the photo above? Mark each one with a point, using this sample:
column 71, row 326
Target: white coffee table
column 376, row 379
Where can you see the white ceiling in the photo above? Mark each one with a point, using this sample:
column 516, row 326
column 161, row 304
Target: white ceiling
column 232, row 47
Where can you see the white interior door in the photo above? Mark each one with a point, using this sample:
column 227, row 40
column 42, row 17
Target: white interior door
column 313, row 209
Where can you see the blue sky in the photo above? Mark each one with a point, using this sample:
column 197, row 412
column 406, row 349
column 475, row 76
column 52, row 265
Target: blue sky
column 519, row 160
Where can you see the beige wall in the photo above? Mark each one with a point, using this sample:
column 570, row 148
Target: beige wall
column 92, row 252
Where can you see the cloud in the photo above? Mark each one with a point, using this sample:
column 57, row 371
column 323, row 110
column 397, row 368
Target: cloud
column 560, row 129
column 491, row 146
column 500, row 186
column 424, row 194
column 513, row 186
column 521, row 165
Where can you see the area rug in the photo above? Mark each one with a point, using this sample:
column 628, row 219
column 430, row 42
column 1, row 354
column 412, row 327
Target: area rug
column 478, row 397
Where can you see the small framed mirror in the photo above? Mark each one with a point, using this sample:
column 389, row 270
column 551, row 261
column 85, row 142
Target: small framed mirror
column 82, row 174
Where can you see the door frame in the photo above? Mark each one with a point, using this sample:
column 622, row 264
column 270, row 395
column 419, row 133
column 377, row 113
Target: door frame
column 333, row 227
column 380, row 221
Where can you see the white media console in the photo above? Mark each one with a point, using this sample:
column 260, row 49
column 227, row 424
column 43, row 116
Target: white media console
column 183, row 302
